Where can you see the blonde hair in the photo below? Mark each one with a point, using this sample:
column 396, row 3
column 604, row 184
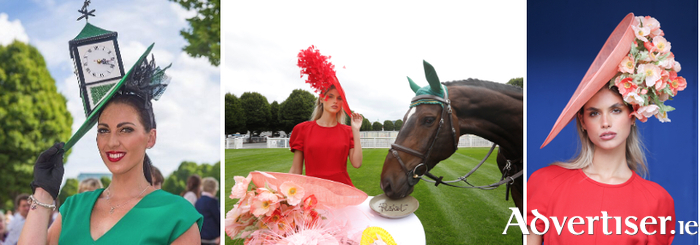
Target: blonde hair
column 634, row 148
column 318, row 109
column 89, row 184
column 209, row 184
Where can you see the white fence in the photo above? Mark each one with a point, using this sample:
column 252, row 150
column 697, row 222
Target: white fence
column 234, row 143
column 384, row 142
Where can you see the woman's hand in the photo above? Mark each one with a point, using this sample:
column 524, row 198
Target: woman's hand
column 48, row 170
column 356, row 121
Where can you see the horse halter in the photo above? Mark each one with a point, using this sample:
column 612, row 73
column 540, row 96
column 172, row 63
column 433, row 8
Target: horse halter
column 414, row 175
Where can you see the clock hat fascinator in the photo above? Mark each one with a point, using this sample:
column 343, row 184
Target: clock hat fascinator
column 320, row 73
column 144, row 79
column 636, row 59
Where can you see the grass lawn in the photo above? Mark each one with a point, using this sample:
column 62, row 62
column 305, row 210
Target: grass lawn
column 449, row 215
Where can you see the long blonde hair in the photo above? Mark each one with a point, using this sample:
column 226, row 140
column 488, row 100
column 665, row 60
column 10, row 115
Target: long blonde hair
column 634, row 147
column 318, row 109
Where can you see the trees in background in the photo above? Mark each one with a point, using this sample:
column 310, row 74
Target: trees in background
column 388, row 125
column 204, row 35
column 176, row 182
column 398, row 124
column 366, row 125
column 516, row 82
column 257, row 112
column 234, row 117
column 377, row 126
column 297, row 108
column 33, row 115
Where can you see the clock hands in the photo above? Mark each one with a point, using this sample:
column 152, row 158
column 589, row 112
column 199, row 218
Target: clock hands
column 104, row 61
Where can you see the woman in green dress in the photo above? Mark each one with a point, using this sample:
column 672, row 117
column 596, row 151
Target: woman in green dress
column 130, row 210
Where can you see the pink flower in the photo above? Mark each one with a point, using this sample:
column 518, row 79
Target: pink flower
column 239, row 189
column 626, row 65
column 648, row 111
column 651, row 72
column 650, row 47
column 677, row 66
column 641, row 32
column 264, row 203
column 626, row 86
column 668, row 62
column 653, row 25
column 293, row 192
column 659, row 85
column 677, row 84
column 661, row 44
column 663, row 117
column 633, row 98
column 310, row 202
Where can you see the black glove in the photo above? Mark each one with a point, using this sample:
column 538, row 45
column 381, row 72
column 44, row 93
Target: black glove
column 48, row 170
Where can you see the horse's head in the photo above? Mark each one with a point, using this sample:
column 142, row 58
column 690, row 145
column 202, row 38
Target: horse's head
column 427, row 137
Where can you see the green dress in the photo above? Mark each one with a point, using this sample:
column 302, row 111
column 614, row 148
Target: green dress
column 159, row 218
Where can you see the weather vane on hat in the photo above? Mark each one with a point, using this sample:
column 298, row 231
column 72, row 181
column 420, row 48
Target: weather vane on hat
column 86, row 13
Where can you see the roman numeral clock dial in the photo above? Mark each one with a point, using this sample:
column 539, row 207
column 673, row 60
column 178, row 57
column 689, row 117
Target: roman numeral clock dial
column 99, row 61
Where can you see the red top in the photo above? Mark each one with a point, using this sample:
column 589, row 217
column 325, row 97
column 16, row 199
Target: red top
column 565, row 193
column 326, row 149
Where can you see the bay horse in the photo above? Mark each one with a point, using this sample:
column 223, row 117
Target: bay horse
column 439, row 114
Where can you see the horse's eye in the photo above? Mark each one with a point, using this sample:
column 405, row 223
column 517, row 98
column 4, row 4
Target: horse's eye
column 429, row 121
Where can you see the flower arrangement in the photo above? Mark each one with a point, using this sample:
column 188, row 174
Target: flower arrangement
column 279, row 215
column 647, row 76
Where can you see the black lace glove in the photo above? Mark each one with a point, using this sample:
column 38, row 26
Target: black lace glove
column 48, row 170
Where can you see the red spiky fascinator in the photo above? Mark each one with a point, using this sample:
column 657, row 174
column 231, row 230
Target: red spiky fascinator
column 320, row 73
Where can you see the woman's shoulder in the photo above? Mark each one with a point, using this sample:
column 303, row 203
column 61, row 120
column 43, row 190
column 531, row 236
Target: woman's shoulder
column 652, row 188
column 88, row 196
column 304, row 124
column 169, row 199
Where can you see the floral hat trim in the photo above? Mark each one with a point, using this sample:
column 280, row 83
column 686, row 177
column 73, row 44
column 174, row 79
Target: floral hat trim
column 647, row 76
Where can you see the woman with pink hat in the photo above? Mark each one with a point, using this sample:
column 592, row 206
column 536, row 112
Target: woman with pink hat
column 323, row 144
column 599, row 197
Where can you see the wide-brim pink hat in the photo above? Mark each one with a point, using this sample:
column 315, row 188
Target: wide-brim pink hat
column 330, row 194
column 603, row 68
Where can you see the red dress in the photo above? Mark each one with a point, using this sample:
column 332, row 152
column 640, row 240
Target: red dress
column 325, row 149
column 565, row 193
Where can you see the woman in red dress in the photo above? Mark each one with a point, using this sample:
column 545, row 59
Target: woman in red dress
column 599, row 197
column 323, row 144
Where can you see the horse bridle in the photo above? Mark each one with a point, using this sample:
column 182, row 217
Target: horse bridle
column 412, row 176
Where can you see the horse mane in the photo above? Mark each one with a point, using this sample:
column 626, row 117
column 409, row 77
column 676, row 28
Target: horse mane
column 510, row 90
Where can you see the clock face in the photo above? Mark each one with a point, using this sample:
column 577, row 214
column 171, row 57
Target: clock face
column 99, row 61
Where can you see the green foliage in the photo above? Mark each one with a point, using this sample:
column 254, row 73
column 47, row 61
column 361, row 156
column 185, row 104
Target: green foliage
column 366, row 125
column 516, row 82
column 176, row 182
column 257, row 111
column 69, row 189
column 295, row 109
column 33, row 115
column 398, row 124
column 274, row 125
column 376, row 126
column 204, row 34
column 388, row 125
column 234, row 117
column 105, row 181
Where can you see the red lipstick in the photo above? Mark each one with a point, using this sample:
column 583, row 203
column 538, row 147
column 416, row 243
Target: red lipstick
column 115, row 156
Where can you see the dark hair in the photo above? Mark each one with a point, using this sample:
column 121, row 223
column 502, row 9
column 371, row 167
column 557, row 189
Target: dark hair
column 193, row 183
column 146, row 118
column 19, row 198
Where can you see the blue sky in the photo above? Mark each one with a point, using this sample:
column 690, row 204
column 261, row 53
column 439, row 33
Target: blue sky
column 188, row 114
